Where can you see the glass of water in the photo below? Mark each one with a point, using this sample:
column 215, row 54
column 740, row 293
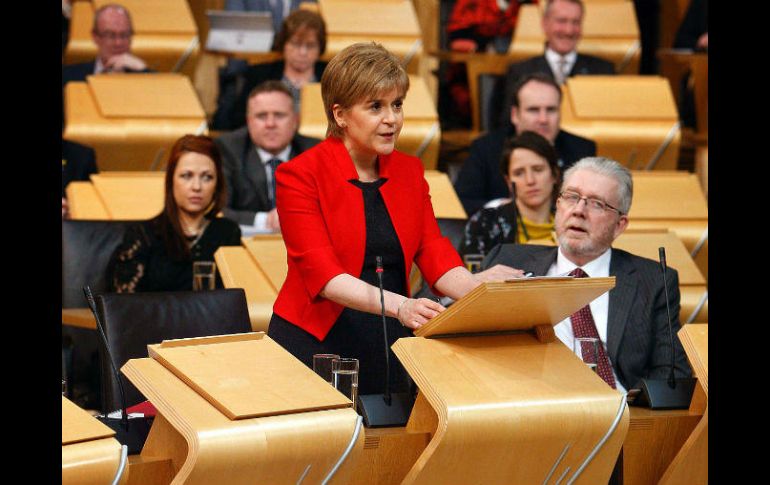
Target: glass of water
column 322, row 365
column 204, row 275
column 587, row 348
column 345, row 377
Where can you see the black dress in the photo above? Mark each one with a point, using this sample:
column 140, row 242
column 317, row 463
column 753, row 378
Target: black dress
column 141, row 262
column 359, row 334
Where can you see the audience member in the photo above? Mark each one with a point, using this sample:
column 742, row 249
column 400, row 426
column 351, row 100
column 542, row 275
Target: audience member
column 474, row 26
column 112, row 32
column 529, row 167
column 692, row 34
column 252, row 153
column 536, row 107
column 157, row 255
column 631, row 319
column 78, row 162
column 302, row 41
column 562, row 25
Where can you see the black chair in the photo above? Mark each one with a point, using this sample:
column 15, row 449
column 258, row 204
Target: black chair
column 453, row 229
column 133, row 321
column 86, row 250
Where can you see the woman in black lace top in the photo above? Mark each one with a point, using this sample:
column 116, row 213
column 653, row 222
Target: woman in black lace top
column 157, row 255
column 529, row 165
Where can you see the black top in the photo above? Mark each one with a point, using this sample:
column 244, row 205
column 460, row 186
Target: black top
column 359, row 334
column 141, row 263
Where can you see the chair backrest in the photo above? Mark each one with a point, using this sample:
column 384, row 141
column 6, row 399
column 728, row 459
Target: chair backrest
column 133, row 321
column 86, row 250
column 453, row 229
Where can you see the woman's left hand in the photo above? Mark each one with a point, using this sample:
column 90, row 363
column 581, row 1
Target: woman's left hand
column 498, row 272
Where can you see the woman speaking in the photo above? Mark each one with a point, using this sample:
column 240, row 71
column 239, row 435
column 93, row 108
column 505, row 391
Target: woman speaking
column 347, row 201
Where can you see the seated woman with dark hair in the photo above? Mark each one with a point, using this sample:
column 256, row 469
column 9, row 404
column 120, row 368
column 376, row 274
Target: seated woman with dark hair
column 158, row 254
column 302, row 41
column 529, row 165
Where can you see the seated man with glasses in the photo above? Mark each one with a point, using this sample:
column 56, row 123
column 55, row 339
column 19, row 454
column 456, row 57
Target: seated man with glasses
column 631, row 319
column 112, row 32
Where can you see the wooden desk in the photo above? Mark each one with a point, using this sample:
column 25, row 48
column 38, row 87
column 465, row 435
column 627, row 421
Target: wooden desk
column 692, row 285
column 78, row 317
column 392, row 23
column 131, row 120
column 610, row 31
column 673, row 201
column 221, row 419
column 90, row 454
column 420, row 135
column 165, row 34
column 632, row 119
column 119, row 196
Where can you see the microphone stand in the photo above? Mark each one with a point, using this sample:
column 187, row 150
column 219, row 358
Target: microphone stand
column 670, row 393
column 131, row 432
column 387, row 409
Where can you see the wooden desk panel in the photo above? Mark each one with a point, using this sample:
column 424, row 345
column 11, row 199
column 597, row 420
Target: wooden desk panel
column 239, row 270
column 636, row 143
column 128, row 144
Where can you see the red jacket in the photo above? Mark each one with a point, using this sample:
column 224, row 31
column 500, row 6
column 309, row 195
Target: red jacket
column 324, row 228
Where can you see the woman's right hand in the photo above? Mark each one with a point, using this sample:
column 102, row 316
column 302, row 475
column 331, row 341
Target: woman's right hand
column 415, row 312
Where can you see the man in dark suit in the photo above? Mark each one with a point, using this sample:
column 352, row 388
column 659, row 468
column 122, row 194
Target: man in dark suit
column 112, row 32
column 562, row 26
column 251, row 155
column 631, row 320
column 536, row 103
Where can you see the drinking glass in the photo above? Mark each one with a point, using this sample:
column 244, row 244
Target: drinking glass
column 587, row 348
column 345, row 377
column 204, row 275
column 322, row 365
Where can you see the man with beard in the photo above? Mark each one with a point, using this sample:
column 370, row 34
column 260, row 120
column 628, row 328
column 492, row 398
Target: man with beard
column 631, row 319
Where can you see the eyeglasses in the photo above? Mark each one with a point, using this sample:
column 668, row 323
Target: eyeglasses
column 113, row 36
column 571, row 199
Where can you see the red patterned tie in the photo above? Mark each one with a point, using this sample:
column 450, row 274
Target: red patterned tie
column 583, row 325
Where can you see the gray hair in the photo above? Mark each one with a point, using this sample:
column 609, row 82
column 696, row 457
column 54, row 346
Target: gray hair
column 111, row 6
column 612, row 169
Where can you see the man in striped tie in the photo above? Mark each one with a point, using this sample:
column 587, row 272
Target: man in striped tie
column 631, row 319
column 251, row 155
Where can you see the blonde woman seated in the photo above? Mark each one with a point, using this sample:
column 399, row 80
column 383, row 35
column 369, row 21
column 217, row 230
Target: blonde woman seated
column 529, row 166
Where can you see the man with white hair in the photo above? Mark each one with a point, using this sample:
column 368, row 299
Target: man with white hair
column 631, row 319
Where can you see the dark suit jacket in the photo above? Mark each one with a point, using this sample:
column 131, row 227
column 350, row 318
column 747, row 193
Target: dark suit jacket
column 78, row 72
column 231, row 107
column 78, row 162
column 584, row 64
column 245, row 175
column 324, row 228
column 480, row 180
column 637, row 324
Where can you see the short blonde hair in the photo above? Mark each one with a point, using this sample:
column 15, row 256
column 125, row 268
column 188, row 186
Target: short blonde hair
column 358, row 72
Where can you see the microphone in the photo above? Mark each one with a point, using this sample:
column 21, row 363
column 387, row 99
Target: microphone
column 379, row 271
column 131, row 436
column 662, row 258
column 671, row 393
column 381, row 410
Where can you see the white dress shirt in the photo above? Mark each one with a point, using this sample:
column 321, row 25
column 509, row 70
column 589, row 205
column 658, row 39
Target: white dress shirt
column 598, row 268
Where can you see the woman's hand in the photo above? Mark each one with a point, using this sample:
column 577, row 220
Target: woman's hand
column 415, row 312
column 498, row 272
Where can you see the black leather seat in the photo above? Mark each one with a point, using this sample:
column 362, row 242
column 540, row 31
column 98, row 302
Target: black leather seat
column 133, row 321
column 86, row 250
